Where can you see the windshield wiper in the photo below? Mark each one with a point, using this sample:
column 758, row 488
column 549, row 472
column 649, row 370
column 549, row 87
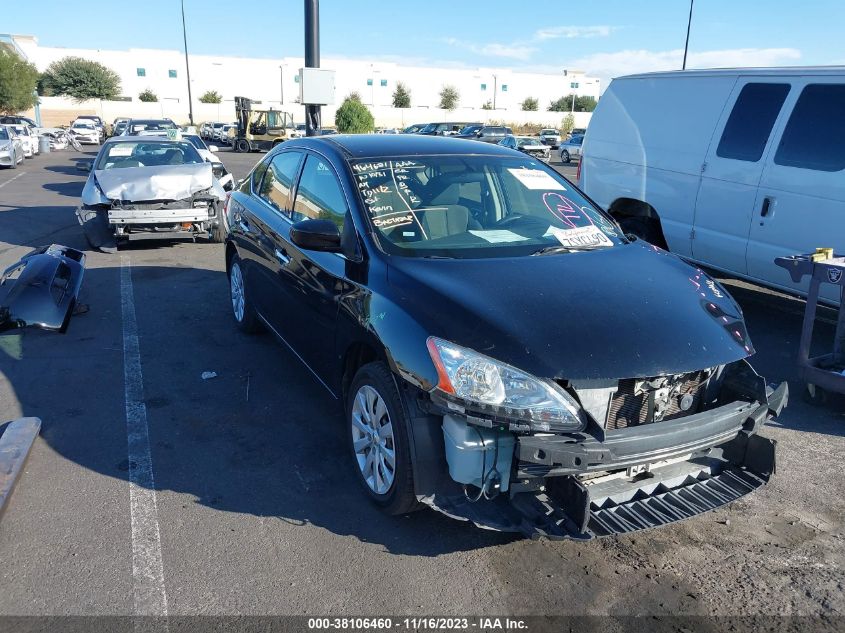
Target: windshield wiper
column 550, row 250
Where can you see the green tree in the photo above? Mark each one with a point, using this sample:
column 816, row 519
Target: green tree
column 353, row 117
column 581, row 104
column 401, row 96
column 44, row 87
column 530, row 104
column 567, row 124
column 17, row 83
column 82, row 79
column 585, row 103
column 211, row 96
column 354, row 96
column 449, row 97
column 148, row 96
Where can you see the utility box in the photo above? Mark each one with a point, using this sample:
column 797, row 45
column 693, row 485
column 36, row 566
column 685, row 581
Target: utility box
column 316, row 86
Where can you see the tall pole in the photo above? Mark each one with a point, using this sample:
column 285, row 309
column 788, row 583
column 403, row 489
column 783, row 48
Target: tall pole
column 187, row 67
column 686, row 44
column 282, row 84
column 312, row 60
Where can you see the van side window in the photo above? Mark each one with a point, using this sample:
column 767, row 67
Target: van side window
column 750, row 124
column 814, row 137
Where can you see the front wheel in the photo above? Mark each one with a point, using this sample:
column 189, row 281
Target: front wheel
column 378, row 440
column 242, row 145
column 14, row 160
column 218, row 232
column 565, row 157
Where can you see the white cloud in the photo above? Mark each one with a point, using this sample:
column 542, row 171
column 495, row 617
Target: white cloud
column 521, row 52
column 609, row 65
column 572, row 32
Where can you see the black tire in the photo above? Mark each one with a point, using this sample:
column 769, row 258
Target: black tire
column 565, row 157
column 647, row 229
column 14, row 160
column 242, row 145
column 399, row 498
column 218, row 233
column 246, row 319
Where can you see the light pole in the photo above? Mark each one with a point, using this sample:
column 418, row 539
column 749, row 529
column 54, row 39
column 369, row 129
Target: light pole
column 282, row 84
column 187, row 67
column 312, row 60
column 686, row 44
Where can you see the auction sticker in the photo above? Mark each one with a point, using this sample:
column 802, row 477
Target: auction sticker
column 582, row 237
column 536, row 179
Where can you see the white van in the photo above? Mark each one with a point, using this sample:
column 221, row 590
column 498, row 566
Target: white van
column 729, row 168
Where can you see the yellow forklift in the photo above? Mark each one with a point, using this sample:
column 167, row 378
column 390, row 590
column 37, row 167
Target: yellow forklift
column 259, row 129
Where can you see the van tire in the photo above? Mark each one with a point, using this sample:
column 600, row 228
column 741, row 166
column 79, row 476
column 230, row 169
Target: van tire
column 647, row 229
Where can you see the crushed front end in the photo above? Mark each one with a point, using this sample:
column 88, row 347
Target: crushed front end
column 630, row 454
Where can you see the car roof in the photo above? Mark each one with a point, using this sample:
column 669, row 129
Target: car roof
column 786, row 71
column 386, row 145
column 141, row 139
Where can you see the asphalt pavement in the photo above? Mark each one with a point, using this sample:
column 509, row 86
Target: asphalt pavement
column 254, row 509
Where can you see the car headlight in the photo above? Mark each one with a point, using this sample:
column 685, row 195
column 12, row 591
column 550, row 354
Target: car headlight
column 497, row 389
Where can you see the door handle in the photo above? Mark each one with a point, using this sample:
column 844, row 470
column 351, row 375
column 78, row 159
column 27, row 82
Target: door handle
column 767, row 204
column 282, row 257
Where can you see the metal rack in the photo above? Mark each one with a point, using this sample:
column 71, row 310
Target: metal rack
column 825, row 373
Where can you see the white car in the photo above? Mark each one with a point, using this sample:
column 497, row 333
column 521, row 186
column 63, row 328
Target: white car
column 224, row 133
column 29, row 139
column 729, row 168
column 11, row 148
column 85, row 131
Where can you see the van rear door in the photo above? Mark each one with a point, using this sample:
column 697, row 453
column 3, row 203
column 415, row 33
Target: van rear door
column 732, row 170
column 801, row 201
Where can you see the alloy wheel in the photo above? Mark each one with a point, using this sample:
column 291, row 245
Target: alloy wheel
column 372, row 440
column 236, row 288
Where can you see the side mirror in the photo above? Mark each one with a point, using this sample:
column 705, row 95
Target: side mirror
column 479, row 133
column 84, row 165
column 213, row 148
column 316, row 235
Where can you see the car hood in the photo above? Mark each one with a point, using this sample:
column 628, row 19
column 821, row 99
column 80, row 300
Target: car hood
column 625, row 312
column 164, row 182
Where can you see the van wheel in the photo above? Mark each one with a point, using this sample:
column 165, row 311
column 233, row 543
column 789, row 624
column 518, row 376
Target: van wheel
column 378, row 440
column 646, row 229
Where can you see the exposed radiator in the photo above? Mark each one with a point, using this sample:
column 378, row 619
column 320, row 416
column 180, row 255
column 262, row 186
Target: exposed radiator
column 629, row 408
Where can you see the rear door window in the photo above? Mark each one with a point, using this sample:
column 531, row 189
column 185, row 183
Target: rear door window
column 752, row 118
column 814, row 137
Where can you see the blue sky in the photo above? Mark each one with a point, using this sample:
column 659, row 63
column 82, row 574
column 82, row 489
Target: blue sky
column 603, row 37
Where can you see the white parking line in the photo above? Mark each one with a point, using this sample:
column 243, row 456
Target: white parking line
column 147, row 568
column 3, row 184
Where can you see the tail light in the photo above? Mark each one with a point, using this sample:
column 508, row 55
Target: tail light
column 578, row 173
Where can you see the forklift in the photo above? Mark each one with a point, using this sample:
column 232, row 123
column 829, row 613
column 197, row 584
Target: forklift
column 259, row 129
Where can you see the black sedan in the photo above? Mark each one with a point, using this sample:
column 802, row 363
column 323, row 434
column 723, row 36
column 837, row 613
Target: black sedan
column 502, row 351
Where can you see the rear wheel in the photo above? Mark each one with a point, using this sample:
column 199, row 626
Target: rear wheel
column 245, row 316
column 378, row 440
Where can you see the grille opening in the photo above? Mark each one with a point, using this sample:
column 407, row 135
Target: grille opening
column 637, row 402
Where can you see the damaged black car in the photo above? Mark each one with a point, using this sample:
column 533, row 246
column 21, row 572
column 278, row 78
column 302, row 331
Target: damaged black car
column 504, row 353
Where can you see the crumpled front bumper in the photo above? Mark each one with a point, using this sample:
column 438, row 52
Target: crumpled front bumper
column 655, row 474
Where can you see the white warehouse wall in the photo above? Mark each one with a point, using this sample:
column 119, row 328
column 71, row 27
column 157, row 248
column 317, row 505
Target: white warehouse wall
column 274, row 82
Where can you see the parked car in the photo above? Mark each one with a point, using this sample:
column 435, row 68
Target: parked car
column 531, row 145
column 551, row 137
column 120, row 127
column 11, row 147
column 85, row 131
column 227, row 133
column 733, row 169
column 98, row 123
column 495, row 339
column 148, row 127
column 487, row 133
column 442, row 129
column 15, row 119
column 223, row 176
column 29, row 139
column 469, row 131
column 413, row 129
column 571, row 148
column 577, row 131
column 144, row 185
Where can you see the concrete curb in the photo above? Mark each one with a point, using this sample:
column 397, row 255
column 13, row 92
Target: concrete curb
column 15, row 444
